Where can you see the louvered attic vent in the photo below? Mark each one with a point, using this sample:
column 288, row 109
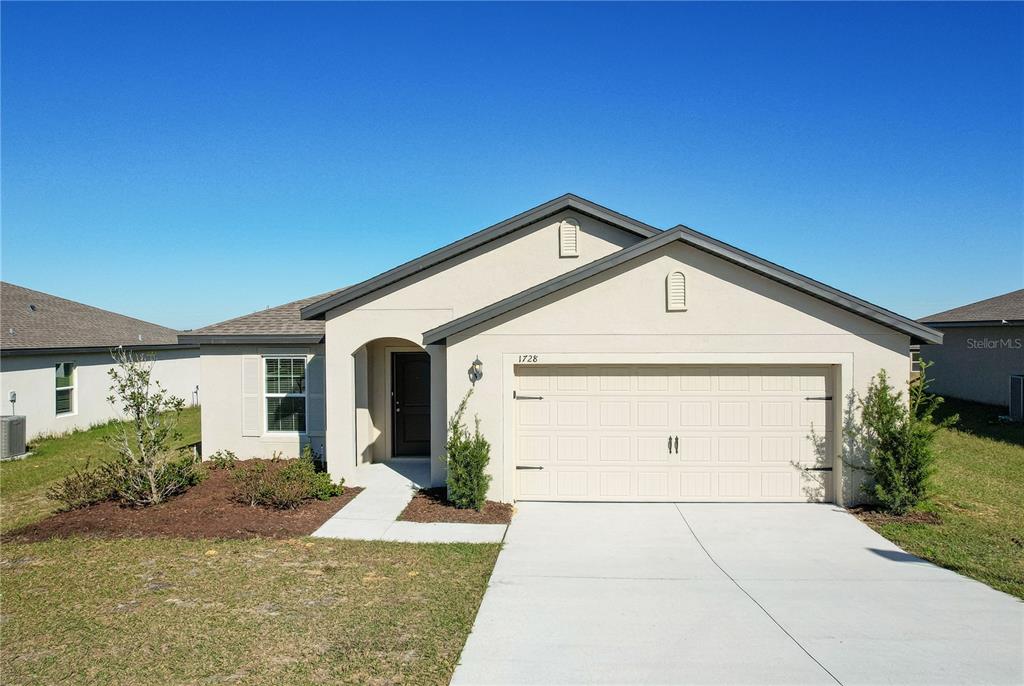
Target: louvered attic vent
column 675, row 292
column 569, row 238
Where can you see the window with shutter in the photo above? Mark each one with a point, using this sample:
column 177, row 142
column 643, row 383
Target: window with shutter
column 675, row 292
column 285, row 391
column 568, row 238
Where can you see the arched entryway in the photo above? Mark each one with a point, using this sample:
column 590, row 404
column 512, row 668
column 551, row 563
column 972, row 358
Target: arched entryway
column 393, row 400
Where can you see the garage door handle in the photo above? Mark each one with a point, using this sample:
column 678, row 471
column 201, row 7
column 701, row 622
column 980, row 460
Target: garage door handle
column 821, row 397
column 817, row 469
column 526, row 397
column 525, row 466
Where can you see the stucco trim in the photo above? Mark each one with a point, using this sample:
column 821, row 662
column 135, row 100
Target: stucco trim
column 568, row 201
column 918, row 332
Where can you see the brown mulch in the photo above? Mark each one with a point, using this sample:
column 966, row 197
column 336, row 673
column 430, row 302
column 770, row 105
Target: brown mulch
column 430, row 505
column 204, row 511
column 872, row 516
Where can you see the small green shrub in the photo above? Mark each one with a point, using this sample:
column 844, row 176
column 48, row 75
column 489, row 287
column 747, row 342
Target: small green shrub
column 80, row 488
column 249, row 483
column 139, row 485
column 223, row 459
column 468, row 455
column 283, row 484
column 898, row 439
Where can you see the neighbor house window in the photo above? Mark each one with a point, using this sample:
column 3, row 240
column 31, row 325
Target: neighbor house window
column 286, row 393
column 65, row 389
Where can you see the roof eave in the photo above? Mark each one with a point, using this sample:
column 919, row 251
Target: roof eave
column 247, row 339
column 918, row 333
column 84, row 349
column 318, row 309
column 968, row 323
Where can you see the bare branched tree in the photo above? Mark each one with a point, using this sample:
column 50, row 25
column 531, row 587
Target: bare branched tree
column 143, row 474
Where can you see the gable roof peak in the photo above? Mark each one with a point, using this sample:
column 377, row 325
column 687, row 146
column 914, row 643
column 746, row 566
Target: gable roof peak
column 318, row 309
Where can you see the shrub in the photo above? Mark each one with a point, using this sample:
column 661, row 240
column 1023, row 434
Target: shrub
column 134, row 486
column 249, row 483
column 283, row 484
column 80, row 488
column 898, row 439
column 223, row 459
column 468, row 455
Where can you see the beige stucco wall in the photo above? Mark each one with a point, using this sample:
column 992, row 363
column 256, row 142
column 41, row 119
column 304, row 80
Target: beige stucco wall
column 732, row 316
column 33, row 378
column 974, row 363
column 221, row 383
column 405, row 310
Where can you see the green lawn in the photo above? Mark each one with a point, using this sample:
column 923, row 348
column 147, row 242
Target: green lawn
column 979, row 494
column 261, row 611
column 23, row 483
column 253, row 612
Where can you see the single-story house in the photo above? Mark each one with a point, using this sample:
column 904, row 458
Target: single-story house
column 609, row 360
column 983, row 346
column 55, row 354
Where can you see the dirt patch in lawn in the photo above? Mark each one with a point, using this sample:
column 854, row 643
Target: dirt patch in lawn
column 870, row 516
column 430, row 505
column 204, row 511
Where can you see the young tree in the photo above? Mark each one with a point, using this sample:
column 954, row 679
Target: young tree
column 897, row 438
column 145, row 472
column 468, row 455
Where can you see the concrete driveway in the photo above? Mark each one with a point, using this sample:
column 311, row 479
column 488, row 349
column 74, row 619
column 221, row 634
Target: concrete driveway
column 729, row 594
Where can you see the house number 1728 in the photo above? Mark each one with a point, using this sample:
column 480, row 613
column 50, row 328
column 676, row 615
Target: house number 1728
column 527, row 358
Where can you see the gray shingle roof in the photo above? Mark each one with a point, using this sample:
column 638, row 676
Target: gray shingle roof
column 283, row 320
column 1009, row 306
column 35, row 320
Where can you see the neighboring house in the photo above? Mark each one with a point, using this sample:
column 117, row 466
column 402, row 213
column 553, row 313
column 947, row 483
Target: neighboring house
column 613, row 361
column 55, row 354
column 983, row 344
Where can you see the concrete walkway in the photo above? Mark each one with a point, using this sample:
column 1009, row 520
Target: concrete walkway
column 588, row 593
column 389, row 488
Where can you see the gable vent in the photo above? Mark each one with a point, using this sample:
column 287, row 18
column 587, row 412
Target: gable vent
column 569, row 238
column 675, row 292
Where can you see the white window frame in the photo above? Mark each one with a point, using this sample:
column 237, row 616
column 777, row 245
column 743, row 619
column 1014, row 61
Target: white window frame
column 303, row 395
column 73, row 388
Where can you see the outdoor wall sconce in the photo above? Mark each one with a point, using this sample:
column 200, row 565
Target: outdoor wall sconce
column 476, row 371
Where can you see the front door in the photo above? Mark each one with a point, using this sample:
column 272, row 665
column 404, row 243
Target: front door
column 410, row 404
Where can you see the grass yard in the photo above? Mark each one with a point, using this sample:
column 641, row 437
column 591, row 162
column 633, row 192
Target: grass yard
column 979, row 484
column 257, row 611
column 23, row 483
column 169, row 611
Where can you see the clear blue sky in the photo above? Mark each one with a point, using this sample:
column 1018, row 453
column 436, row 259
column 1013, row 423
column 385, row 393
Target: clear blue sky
column 186, row 163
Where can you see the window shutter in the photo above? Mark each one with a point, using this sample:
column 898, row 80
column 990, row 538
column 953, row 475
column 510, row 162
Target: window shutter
column 675, row 292
column 315, row 407
column 568, row 238
column 251, row 419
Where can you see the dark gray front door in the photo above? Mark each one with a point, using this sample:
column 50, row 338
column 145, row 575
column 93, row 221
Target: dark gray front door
column 410, row 404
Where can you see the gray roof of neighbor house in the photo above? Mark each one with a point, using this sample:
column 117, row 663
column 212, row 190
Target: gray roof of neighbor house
column 917, row 332
column 35, row 321
column 281, row 323
column 1007, row 307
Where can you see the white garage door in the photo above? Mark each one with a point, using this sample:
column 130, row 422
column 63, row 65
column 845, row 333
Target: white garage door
column 646, row 433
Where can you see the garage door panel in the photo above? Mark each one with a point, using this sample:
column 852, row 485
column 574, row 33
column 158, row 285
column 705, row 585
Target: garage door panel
column 616, row 432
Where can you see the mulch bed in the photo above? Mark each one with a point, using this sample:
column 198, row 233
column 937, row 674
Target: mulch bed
column 204, row 511
column 871, row 516
column 430, row 505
